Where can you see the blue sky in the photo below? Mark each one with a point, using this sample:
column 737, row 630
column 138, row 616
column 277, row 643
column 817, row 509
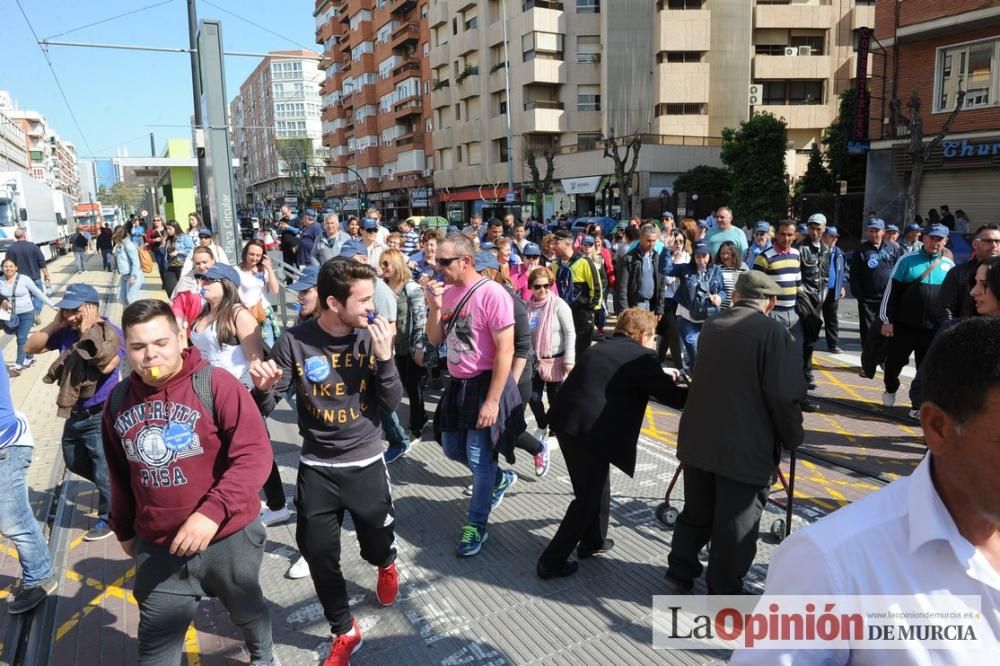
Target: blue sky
column 117, row 95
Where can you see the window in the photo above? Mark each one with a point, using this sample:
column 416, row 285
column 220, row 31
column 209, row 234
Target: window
column 588, row 49
column 427, row 49
column 587, row 140
column 679, row 56
column 458, row 151
column 286, row 70
column 359, row 18
column 458, row 111
column 361, row 49
column 588, row 98
column 680, row 109
column 470, row 19
column 503, row 152
column 454, row 26
column 588, row 6
column 793, row 92
column 813, row 44
column 547, row 45
column 684, row 4
column 973, row 67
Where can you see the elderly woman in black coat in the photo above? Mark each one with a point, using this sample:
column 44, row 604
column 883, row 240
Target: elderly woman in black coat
column 596, row 417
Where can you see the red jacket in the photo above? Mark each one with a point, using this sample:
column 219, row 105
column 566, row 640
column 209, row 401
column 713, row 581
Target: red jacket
column 157, row 482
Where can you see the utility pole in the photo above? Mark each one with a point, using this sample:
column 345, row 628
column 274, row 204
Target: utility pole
column 506, row 83
column 199, row 124
column 152, row 145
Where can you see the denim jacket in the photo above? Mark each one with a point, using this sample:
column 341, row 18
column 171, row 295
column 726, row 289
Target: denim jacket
column 694, row 288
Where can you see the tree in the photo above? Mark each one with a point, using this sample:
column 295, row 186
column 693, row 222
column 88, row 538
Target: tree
column 755, row 154
column 843, row 164
column 816, row 178
column 292, row 153
column 625, row 165
column 541, row 183
column 917, row 149
column 705, row 181
column 127, row 196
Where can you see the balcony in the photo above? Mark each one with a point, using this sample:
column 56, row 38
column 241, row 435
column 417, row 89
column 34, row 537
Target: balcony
column 540, row 70
column 682, row 82
column 409, row 139
column 440, row 97
column 863, row 16
column 408, row 34
column 411, row 106
column 402, row 6
column 802, row 116
column 437, row 14
column 852, row 72
column 792, row 67
column 688, row 30
column 541, row 4
column 795, row 16
column 407, row 69
column 543, row 116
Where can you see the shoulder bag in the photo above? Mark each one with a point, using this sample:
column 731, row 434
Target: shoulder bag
column 13, row 321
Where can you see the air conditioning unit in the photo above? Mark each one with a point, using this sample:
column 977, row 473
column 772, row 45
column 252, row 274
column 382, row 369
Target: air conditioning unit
column 791, row 50
column 427, row 173
column 756, row 90
column 805, row 50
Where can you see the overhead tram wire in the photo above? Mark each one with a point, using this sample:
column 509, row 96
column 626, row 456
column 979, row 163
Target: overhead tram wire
column 111, row 18
column 257, row 25
column 55, row 77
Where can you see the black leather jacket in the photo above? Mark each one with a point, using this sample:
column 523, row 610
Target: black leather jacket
column 815, row 268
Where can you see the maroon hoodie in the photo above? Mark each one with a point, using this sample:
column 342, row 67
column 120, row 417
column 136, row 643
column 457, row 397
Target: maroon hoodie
column 215, row 466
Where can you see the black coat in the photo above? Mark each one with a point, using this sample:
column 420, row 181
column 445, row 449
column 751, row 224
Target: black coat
column 628, row 274
column 601, row 405
column 745, row 401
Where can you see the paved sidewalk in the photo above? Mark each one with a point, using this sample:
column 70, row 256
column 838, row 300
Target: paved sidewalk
column 489, row 609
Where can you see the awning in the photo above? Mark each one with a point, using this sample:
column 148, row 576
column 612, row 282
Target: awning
column 587, row 185
column 486, row 194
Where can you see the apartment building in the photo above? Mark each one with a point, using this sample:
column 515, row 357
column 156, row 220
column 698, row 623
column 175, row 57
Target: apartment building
column 675, row 71
column 937, row 48
column 279, row 101
column 45, row 155
column 376, row 105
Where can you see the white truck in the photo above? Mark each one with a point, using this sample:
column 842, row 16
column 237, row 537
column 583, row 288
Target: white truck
column 29, row 204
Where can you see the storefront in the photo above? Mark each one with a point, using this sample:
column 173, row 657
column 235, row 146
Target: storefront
column 966, row 178
column 488, row 201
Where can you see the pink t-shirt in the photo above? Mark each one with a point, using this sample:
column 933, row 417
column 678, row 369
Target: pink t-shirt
column 470, row 344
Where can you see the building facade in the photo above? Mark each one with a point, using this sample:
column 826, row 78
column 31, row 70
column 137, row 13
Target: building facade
column 47, row 157
column 276, row 133
column 376, row 105
column 13, row 141
column 937, row 49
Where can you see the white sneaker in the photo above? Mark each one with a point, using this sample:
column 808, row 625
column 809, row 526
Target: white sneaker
column 888, row 399
column 915, row 414
column 270, row 517
column 299, row 569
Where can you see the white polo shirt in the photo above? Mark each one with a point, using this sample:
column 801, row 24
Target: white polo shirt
column 900, row 540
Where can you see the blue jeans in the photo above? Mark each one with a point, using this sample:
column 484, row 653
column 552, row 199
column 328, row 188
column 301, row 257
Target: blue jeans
column 472, row 448
column 689, row 331
column 81, row 261
column 83, row 452
column 128, row 294
column 25, row 321
column 17, row 521
column 395, row 434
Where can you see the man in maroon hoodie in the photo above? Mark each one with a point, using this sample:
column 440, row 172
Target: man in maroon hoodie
column 187, row 453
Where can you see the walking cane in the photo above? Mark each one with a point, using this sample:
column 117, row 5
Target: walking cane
column 791, row 492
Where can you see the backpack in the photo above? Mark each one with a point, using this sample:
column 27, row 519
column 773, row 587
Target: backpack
column 145, row 260
column 201, row 379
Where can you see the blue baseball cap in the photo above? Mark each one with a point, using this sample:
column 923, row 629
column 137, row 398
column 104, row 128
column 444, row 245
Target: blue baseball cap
column 762, row 226
column 938, row 230
column 221, row 272
column 452, row 229
column 703, row 224
column 310, row 213
column 353, row 248
column 486, row 260
column 892, row 227
column 531, row 250
column 832, row 231
column 306, row 280
column 487, row 246
column 667, row 213
column 369, row 223
column 589, row 241
column 875, row 224
column 204, row 232
column 913, row 226
column 78, row 294
column 701, row 247
column 802, row 229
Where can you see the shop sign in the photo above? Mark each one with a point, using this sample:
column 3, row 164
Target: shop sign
column 586, row 185
column 965, row 149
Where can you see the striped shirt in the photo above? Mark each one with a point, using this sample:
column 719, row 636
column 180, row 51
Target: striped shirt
column 784, row 269
column 411, row 242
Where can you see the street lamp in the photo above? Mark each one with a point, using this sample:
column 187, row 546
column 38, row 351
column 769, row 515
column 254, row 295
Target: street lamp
column 362, row 192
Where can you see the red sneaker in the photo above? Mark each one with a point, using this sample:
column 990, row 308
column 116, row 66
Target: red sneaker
column 388, row 585
column 344, row 645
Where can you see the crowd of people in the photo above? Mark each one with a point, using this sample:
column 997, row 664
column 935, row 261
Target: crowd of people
column 508, row 312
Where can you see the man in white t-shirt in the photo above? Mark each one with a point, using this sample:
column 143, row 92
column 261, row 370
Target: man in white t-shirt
column 481, row 408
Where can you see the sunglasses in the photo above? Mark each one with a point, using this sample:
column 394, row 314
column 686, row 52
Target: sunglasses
column 446, row 261
column 207, row 280
column 371, row 231
column 541, row 285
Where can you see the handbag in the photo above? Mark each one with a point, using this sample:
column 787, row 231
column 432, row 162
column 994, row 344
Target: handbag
column 145, row 260
column 258, row 311
column 11, row 323
column 551, row 370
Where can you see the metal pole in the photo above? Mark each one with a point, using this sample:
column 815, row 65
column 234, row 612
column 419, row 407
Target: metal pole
column 206, row 213
column 152, row 145
column 506, row 83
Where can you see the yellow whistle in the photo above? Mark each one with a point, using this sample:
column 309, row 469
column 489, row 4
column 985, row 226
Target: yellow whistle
column 154, row 371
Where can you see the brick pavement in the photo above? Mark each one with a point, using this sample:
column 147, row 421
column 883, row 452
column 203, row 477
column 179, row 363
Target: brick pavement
column 490, row 609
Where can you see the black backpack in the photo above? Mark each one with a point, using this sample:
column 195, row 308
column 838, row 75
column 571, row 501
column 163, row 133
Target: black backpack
column 201, row 379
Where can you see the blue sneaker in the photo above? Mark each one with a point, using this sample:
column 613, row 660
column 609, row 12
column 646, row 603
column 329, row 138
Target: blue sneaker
column 100, row 530
column 472, row 541
column 394, row 453
column 508, row 481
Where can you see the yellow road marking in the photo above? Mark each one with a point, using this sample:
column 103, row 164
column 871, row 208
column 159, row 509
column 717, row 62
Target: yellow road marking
column 191, row 646
column 77, row 541
column 69, row 624
column 844, row 387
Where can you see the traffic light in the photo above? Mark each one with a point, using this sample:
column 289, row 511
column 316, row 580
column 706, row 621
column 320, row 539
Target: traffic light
column 305, row 168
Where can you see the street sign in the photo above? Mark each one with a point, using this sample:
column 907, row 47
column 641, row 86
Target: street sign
column 858, row 147
column 510, row 197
